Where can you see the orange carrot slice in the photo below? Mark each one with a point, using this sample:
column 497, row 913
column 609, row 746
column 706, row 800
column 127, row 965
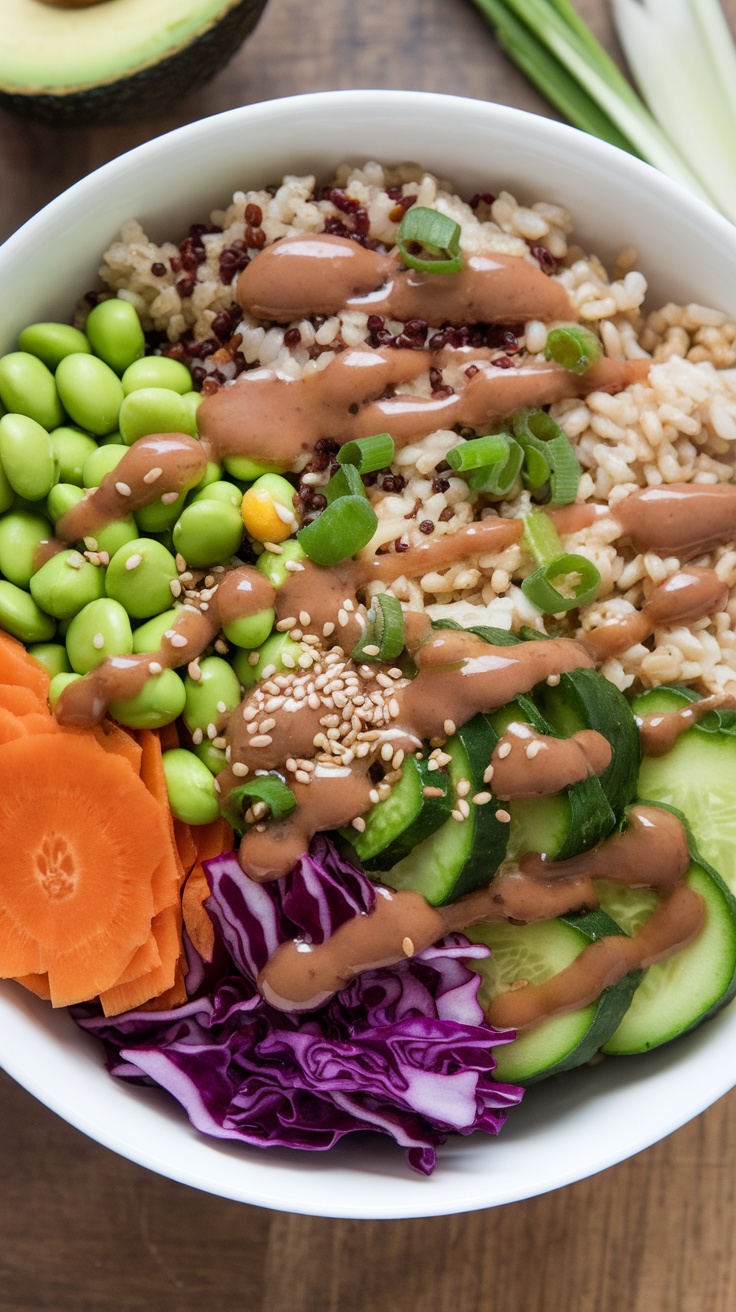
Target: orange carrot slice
column 75, row 893
column 11, row 727
column 211, row 840
column 21, row 701
column 186, row 844
column 125, row 997
column 16, row 666
column 169, row 877
column 115, row 739
column 38, row 984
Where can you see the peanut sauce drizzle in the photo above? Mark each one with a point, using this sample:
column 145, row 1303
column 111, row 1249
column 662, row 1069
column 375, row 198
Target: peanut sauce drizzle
column 558, row 762
column 317, row 273
column 682, row 519
column 682, row 598
column 659, row 733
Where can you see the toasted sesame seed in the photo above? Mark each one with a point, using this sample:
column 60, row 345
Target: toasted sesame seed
column 267, row 725
column 240, row 769
column 181, row 564
column 293, row 566
column 211, row 731
column 104, row 557
column 219, row 742
column 433, row 765
column 153, row 474
column 428, row 791
column 449, row 727
column 397, row 760
column 176, row 590
column 168, row 498
column 553, row 680
column 296, row 634
column 178, row 640
column 249, row 713
column 284, row 625
column 328, row 629
column 481, row 799
column 261, row 740
column 387, row 752
column 98, row 641
column 221, row 646
column 342, row 617
column 372, row 650
column 503, row 751
column 302, row 777
column 197, row 737
column 464, row 807
column 222, row 707
column 358, row 823
column 274, row 547
column 228, row 753
column 393, row 708
column 457, row 815
column 503, row 816
column 407, row 947
column 259, row 809
column 463, row 787
column 134, row 561
column 517, row 984
column 532, row 750
column 304, row 618
column 154, row 667
column 488, row 774
column 194, row 671
column 373, row 796
column 253, row 657
column 91, row 544
column 123, row 489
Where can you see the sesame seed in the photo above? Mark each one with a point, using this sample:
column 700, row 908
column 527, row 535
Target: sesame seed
column 219, row 742
column 168, row 498
column 267, row 670
column 517, row 984
column 222, row 708
column 186, row 575
column 178, row 640
column 398, row 760
column 254, row 657
column 488, row 774
column 348, row 604
column 284, row 625
column 457, row 815
column 464, row 808
column 433, row 765
column 373, row 795
column 153, row 474
column 91, row 544
column 181, row 564
column 293, row 566
column 533, row 750
column 305, row 618
column 463, row 787
column 249, row 713
column 359, row 824
column 407, row 947
column 194, row 671
column 221, row 646
column 328, row 629
column 267, row 725
column 261, row 740
column 305, row 661
column 372, row 650
column 104, row 558
column 176, row 589
column 503, row 751
column 197, row 737
column 134, row 561
column 98, row 641
column 428, row 791
column 553, row 680
column 302, row 777
column 395, row 673
column 503, row 816
column 274, row 547
column 123, row 489
column 211, row 731
column 449, row 728
column 239, row 768
column 481, row 799
column 342, row 617
column 393, row 708
column 154, row 667
column 387, row 752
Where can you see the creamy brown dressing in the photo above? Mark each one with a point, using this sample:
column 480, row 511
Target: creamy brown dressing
column 317, row 273
column 659, row 733
column 684, row 597
column 676, row 519
column 530, row 764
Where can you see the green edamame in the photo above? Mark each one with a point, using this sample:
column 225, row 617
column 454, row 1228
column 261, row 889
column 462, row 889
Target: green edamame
column 246, row 471
column 157, row 517
column 139, row 576
column 250, row 631
column 72, row 448
column 61, row 498
column 7, row 495
column 100, row 462
column 21, row 534
column 191, row 787
column 218, row 490
column 21, row 616
column 116, row 535
column 57, row 686
column 66, row 583
column 90, row 392
column 208, row 532
column 192, row 402
column 212, row 473
column 99, row 630
column 213, row 695
column 213, row 757
column 149, row 636
column 160, row 702
column 115, row 333
column 157, row 371
column 270, row 657
column 153, row 410
column 52, row 341
column 27, row 456
column 27, row 387
column 275, row 567
column 52, row 656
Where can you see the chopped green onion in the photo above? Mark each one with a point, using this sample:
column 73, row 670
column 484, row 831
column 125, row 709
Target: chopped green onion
column 540, row 538
column 342, row 529
column 498, row 480
column 268, row 788
column 565, row 471
column 539, row 588
column 429, row 241
column 536, row 461
column 346, row 482
column 384, row 634
column 548, row 456
column 479, row 452
column 574, row 347
column 368, row 453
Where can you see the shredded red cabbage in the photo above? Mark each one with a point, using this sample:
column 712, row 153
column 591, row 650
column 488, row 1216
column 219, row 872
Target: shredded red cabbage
column 404, row 1050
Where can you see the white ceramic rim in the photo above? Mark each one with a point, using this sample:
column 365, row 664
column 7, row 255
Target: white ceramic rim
column 567, row 1129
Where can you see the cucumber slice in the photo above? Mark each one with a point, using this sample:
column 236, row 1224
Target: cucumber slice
column 678, row 994
column 463, row 854
column 394, row 827
column 584, row 699
column 535, row 953
column 698, row 776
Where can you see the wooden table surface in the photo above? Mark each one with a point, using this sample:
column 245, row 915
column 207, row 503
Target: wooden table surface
column 84, row 1231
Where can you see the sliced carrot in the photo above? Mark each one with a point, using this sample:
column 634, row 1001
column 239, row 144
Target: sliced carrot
column 75, row 891
column 115, row 739
column 169, row 877
column 166, row 927
column 173, row 997
column 41, row 722
column 16, row 666
column 21, row 701
column 11, row 727
column 211, row 840
column 186, row 844
column 38, row 984
column 144, row 959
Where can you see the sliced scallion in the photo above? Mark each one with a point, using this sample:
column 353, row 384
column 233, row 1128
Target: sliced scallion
column 498, row 480
column 268, row 788
column 368, row 454
column 429, row 241
column 541, row 539
column 548, row 456
column 564, row 479
column 582, row 576
column 479, row 452
column 343, row 528
column 346, row 482
column 383, row 639
column 573, row 346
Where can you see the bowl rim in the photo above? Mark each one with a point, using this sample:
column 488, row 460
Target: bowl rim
column 278, row 1189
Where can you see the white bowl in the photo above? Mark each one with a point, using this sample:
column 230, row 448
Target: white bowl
column 571, row 1126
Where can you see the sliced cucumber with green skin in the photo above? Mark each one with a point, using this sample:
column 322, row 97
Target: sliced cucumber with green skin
column 395, row 827
column 463, row 854
column 584, row 699
column 698, row 776
column 561, row 824
column 677, row 995
column 536, row 953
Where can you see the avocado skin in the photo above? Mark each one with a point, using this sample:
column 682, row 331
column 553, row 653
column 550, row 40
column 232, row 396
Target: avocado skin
column 151, row 90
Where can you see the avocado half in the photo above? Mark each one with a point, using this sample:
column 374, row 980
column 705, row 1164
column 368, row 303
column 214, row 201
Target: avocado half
column 115, row 60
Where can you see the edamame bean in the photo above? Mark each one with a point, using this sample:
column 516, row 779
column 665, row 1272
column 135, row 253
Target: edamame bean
column 52, row 341
column 20, row 615
column 61, row 498
column 57, row 686
column 219, row 490
column 245, row 671
column 27, row 457
column 7, row 495
column 157, row 371
column 21, row 534
column 72, row 448
column 212, row 473
column 214, row 694
column 66, row 583
column 116, row 535
column 101, row 461
column 267, row 509
column 213, row 757
column 149, row 636
column 139, row 576
column 270, row 657
column 27, row 387
column 250, row 631
column 275, row 567
column 192, row 401
column 153, row 410
column 115, row 333
column 101, row 629
column 191, row 787
column 52, row 656
column 157, row 517
column 207, row 532
column 160, row 702
column 91, row 393
column 246, row 470
column 111, row 439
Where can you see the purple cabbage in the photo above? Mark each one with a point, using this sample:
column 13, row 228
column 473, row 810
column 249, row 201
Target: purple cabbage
column 404, row 1049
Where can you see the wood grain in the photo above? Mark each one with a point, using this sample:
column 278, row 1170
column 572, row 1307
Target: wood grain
column 84, row 1231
